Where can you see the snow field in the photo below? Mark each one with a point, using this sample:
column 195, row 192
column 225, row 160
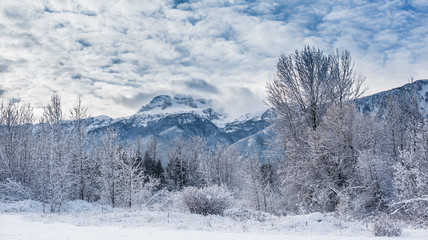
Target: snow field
column 82, row 220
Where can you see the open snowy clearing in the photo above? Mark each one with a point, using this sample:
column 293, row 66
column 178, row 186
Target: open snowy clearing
column 82, row 220
column 17, row 227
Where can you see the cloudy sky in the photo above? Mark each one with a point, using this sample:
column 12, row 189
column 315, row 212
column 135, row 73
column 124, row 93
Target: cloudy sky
column 118, row 54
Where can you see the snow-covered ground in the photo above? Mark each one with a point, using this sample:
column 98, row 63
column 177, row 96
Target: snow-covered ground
column 80, row 220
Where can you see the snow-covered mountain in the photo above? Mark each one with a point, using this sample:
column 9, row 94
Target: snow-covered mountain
column 376, row 103
column 163, row 106
column 167, row 117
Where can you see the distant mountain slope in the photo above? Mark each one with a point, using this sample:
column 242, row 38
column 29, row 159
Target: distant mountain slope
column 376, row 103
column 259, row 143
column 167, row 117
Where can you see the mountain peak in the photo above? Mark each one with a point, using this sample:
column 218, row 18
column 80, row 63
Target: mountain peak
column 185, row 100
column 163, row 102
column 163, row 105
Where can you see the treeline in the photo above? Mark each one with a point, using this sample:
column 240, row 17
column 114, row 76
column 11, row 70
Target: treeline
column 58, row 160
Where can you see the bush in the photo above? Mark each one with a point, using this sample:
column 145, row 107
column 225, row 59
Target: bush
column 207, row 200
column 14, row 191
column 386, row 226
column 164, row 200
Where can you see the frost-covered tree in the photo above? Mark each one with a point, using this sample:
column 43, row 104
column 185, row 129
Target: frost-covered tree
column 79, row 141
column 407, row 138
column 336, row 146
column 55, row 160
column 184, row 162
column 298, row 91
column 260, row 185
column 196, row 151
column 16, row 150
column 333, row 174
column 307, row 83
column 343, row 82
column 16, row 121
column 403, row 120
column 109, row 168
column 222, row 167
column 253, row 191
column 373, row 191
column 410, row 180
column 350, row 162
column 132, row 182
column 93, row 171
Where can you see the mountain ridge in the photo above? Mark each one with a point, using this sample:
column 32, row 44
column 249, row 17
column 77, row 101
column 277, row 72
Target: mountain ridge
column 375, row 102
column 167, row 117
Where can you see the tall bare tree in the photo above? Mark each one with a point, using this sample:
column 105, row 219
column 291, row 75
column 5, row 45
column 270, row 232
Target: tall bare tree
column 307, row 83
column 79, row 141
column 56, row 164
column 299, row 87
column 344, row 84
column 16, row 121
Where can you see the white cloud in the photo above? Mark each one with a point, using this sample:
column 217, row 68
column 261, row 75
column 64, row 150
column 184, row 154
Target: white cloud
column 421, row 4
column 118, row 54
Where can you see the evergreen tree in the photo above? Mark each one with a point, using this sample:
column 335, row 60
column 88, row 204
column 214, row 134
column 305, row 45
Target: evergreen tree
column 149, row 165
column 176, row 172
column 159, row 171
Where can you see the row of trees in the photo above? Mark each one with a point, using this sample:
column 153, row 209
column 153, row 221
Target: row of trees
column 58, row 160
column 335, row 158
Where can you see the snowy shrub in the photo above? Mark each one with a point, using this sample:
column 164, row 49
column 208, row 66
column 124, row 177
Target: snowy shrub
column 160, row 200
column 164, row 200
column 207, row 200
column 21, row 206
column 386, row 226
column 14, row 191
column 142, row 195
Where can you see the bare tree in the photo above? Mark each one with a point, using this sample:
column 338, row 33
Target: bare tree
column 79, row 140
column 343, row 84
column 223, row 167
column 299, row 87
column 259, row 185
column 56, row 162
column 306, row 85
column 109, row 168
column 307, row 81
column 16, row 121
